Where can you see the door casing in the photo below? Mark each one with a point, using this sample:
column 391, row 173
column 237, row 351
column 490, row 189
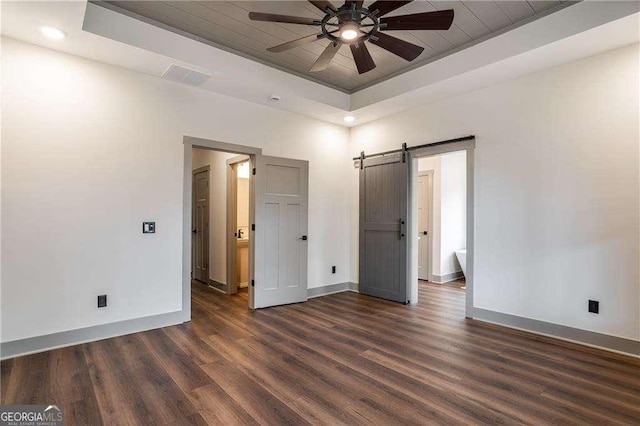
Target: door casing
column 189, row 143
column 469, row 147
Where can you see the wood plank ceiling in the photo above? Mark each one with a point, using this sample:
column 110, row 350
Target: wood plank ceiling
column 226, row 23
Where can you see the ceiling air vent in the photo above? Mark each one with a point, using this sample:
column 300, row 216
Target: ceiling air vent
column 185, row 75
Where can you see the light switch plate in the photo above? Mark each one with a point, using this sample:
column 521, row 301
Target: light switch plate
column 148, row 227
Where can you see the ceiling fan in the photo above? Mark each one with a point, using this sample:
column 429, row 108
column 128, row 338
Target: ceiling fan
column 354, row 24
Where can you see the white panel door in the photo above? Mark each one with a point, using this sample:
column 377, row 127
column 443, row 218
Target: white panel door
column 280, row 236
column 200, row 226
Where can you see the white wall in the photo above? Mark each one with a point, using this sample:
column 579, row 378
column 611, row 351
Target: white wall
column 217, row 162
column 557, row 196
column 449, row 210
column 433, row 163
column 89, row 151
column 453, row 214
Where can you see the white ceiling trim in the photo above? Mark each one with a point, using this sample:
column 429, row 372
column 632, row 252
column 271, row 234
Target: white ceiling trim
column 556, row 26
column 615, row 34
column 235, row 74
column 581, row 30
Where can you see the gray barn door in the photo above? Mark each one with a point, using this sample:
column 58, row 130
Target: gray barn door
column 384, row 209
column 200, row 226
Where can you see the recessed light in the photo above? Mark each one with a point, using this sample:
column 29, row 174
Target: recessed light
column 53, row 33
column 349, row 119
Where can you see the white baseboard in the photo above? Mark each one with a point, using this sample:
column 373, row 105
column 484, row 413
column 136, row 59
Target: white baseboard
column 562, row 332
column 331, row 289
column 446, row 278
column 88, row 334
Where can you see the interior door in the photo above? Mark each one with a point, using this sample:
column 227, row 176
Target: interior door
column 424, row 224
column 384, row 209
column 279, row 274
column 200, row 226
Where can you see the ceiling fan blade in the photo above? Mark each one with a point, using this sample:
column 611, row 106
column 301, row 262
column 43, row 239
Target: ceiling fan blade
column 404, row 49
column 363, row 58
column 325, row 58
column 384, row 7
column 322, row 5
column 439, row 20
column 358, row 3
column 295, row 43
column 272, row 17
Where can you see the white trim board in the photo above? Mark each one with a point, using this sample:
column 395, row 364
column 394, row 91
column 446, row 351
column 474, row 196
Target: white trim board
column 94, row 333
column 78, row 336
column 332, row 289
column 447, row 278
column 576, row 31
column 104, row 331
column 561, row 332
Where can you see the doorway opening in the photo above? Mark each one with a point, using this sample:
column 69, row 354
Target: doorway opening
column 238, row 225
column 441, row 213
column 276, row 239
column 392, row 227
column 221, row 205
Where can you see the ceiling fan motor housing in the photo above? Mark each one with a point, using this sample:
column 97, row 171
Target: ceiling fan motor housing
column 366, row 21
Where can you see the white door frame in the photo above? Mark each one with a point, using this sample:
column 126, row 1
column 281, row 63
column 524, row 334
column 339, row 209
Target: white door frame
column 232, row 220
column 469, row 147
column 429, row 173
column 191, row 142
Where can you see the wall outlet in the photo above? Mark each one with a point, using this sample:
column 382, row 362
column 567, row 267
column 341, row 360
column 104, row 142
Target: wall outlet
column 594, row 306
column 102, row 301
column 333, row 269
column 148, row 227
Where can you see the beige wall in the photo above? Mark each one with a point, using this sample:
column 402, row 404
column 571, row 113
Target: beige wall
column 243, row 202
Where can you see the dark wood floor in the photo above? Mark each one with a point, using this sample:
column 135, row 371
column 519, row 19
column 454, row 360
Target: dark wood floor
column 343, row 358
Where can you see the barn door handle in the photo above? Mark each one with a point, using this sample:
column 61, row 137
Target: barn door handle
column 303, row 238
column 401, row 228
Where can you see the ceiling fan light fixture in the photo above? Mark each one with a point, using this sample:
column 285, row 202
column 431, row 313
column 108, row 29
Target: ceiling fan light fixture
column 349, row 32
column 353, row 24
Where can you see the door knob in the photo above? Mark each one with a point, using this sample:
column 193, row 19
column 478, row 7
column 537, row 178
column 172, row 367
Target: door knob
column 303, row 238
column 424, row 233
column 194, row 231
